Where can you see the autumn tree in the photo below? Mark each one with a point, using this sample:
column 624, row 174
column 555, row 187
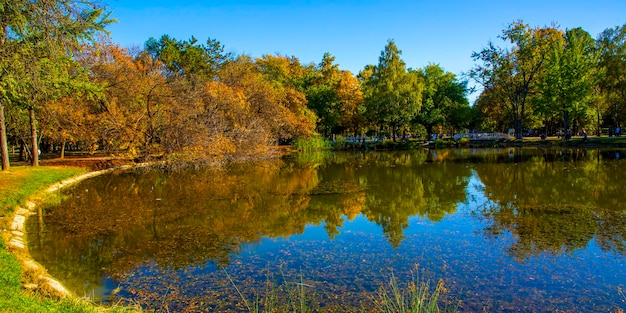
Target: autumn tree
column 286, row 71
column 133, row 112
column 278, row 107
column 336, row 98
column 393, row 97
column 351, row 106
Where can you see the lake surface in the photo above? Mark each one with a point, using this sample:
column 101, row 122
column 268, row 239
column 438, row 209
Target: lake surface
column 508, row 230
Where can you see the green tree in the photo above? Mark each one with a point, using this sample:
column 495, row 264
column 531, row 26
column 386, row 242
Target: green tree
column 612, row 85
column 322, row 95
column 510, row 74
column 395, row 95
column 570, row 76
column 443, row 99
column 39, row 41
column 195, row 62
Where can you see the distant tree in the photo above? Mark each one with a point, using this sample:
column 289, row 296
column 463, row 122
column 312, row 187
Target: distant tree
column 494, row 116
column 196, row 62
column 443, row 100
column 612, row 85
column 567, row 84
column 510, row 74
column 351, row 107
column 393, row 95
column 322, row 95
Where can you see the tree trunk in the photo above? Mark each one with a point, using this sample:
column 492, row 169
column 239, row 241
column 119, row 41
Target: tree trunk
column 568, row 134
column 598, row 129
column 3, row 141
column 517, row 127
column 62, row 154
column 22, row 153
column 33, row 135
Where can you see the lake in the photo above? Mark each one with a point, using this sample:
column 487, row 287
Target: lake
column 506, row 229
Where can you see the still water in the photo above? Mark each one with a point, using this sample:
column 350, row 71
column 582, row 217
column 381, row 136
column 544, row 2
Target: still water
column 508, row 230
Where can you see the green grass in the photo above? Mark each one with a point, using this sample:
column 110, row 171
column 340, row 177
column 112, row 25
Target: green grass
column 16, row 186
column 314, row 143
column 19, row 183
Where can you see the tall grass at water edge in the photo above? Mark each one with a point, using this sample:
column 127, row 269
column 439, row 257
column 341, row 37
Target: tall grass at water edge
column 315, row 143
column 416, row 297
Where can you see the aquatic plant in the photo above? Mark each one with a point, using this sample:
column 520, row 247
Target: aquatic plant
column 284, row 298
column 416, row 297
column 290, row 297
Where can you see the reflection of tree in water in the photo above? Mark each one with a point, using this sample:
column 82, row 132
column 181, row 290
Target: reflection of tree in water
column 400, row 185
column 155, row 224
column 118, row 222
column 557, row 203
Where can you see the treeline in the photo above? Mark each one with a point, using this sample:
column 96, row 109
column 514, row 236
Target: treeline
column 64, row 82
column 547, row 79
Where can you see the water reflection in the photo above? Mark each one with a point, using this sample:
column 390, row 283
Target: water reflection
column 557, row 202
column 484, row 219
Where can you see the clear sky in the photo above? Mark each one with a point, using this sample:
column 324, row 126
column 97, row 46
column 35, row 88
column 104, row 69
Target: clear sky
column 354, row 31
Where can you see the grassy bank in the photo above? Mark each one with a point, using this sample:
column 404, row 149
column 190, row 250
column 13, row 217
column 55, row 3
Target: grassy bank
column 16, row 186
column 22, row 182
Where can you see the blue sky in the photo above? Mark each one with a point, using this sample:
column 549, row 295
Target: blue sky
column 355, row 32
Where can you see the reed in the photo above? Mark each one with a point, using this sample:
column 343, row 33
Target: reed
column 417, row 297
column 315, row 143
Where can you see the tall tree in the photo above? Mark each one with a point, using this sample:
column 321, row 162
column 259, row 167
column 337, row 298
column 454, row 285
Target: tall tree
column 351, row 103
column 322, row 95
column 570, row 75
column 510, row 73
column 39, row 39
column 394, row 97
column 443, row 98
column 612, row 45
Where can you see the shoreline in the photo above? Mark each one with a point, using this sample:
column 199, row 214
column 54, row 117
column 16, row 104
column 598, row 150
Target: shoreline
column 17, row 243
